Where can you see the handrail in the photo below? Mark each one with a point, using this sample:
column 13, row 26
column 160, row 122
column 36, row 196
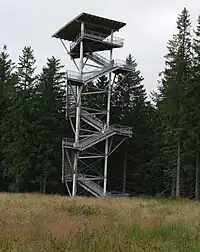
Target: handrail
column 87, row 75
column 104, row 37
column 123, row 63
column 99, row 36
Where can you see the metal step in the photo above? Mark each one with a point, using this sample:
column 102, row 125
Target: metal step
column 66, row 166
column 90, row 185
column 95, row 139
column 70, row 99
column 98, row 124
column 99, row 59
column 88, row 141
column 92, row 120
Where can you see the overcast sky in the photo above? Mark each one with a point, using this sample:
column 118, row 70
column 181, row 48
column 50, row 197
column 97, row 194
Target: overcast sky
column 150, row 24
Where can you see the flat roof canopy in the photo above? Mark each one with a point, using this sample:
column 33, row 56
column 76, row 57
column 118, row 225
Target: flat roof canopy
column 92, row 22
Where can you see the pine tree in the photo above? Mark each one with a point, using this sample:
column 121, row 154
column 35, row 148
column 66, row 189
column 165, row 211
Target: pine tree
column 17, row 123
column 132, row 109
column 175, row 81
column 50, row 125
column 192, row 106
column 7, row 91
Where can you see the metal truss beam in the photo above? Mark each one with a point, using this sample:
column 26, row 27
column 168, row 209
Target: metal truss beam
column 90, row 157
column 117, row 146
column 69, row 54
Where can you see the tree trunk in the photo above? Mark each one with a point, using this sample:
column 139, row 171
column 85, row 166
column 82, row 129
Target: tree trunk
column 44, row 184
column 178, row 168
column 16, row 189
column 125, row 170
column 197, row 177
column 173, row 183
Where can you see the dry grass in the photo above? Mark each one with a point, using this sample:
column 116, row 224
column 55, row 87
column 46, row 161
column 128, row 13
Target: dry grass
column 31, row 222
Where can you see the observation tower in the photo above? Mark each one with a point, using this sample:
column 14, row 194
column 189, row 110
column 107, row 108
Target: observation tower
column 85, row 157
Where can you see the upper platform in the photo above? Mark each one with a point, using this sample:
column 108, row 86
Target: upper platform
column 92, row 23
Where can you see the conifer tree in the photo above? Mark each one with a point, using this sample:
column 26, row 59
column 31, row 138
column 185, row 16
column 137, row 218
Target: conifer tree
column 175, row 81
column 132, row 109
column 50, row 125
column 7, row 92
column 17, row 122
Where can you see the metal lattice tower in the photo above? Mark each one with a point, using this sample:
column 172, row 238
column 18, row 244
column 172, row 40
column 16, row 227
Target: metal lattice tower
column 85, row 157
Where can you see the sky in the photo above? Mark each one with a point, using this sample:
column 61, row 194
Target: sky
column 150, row 24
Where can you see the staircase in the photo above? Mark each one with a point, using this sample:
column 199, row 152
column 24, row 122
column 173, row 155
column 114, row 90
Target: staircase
column 90, row 185
column 95, row 122
column 108, row 67
column 67, row 167
column 70, row 100
column 92, row 120
column 89, row 141
column 96, row 138
column 99, row 59
column 87, row 77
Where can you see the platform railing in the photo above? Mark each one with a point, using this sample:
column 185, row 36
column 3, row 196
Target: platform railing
column 74, row 75
column 85, row 76
column 122, row 129
column 98, row 36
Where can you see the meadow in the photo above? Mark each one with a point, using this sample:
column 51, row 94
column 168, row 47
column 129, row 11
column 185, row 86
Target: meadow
column 34, row 222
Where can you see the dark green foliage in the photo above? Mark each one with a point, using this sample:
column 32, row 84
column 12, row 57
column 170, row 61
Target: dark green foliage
column 50, row 124
column 131, row 108
column 16, row 125
column 171, row 104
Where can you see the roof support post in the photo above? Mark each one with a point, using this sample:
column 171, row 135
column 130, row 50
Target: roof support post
column 107, row 125
column 78, row 113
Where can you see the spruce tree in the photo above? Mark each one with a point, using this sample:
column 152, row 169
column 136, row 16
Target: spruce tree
column 50, row 125
column 7, row 92
column 17, row 123
column 132, row 109
column 175, row 81
column 192, row 106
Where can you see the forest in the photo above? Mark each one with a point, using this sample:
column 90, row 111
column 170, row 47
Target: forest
column 161, row 159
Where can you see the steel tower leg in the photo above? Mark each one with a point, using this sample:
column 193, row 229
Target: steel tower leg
column 78, row 112
column 107, row 126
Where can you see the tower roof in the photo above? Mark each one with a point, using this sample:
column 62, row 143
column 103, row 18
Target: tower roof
column 92, row 22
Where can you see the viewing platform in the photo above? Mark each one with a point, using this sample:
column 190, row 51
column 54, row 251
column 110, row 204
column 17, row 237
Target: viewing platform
column 96, row 34
column 94, row 42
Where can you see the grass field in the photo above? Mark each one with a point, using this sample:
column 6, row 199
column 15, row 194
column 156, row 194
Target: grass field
column 31, row 222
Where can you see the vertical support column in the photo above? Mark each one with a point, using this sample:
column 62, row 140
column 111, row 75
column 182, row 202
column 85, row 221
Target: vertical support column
column 107, row 125
column 63, row 163
column 78, row 112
